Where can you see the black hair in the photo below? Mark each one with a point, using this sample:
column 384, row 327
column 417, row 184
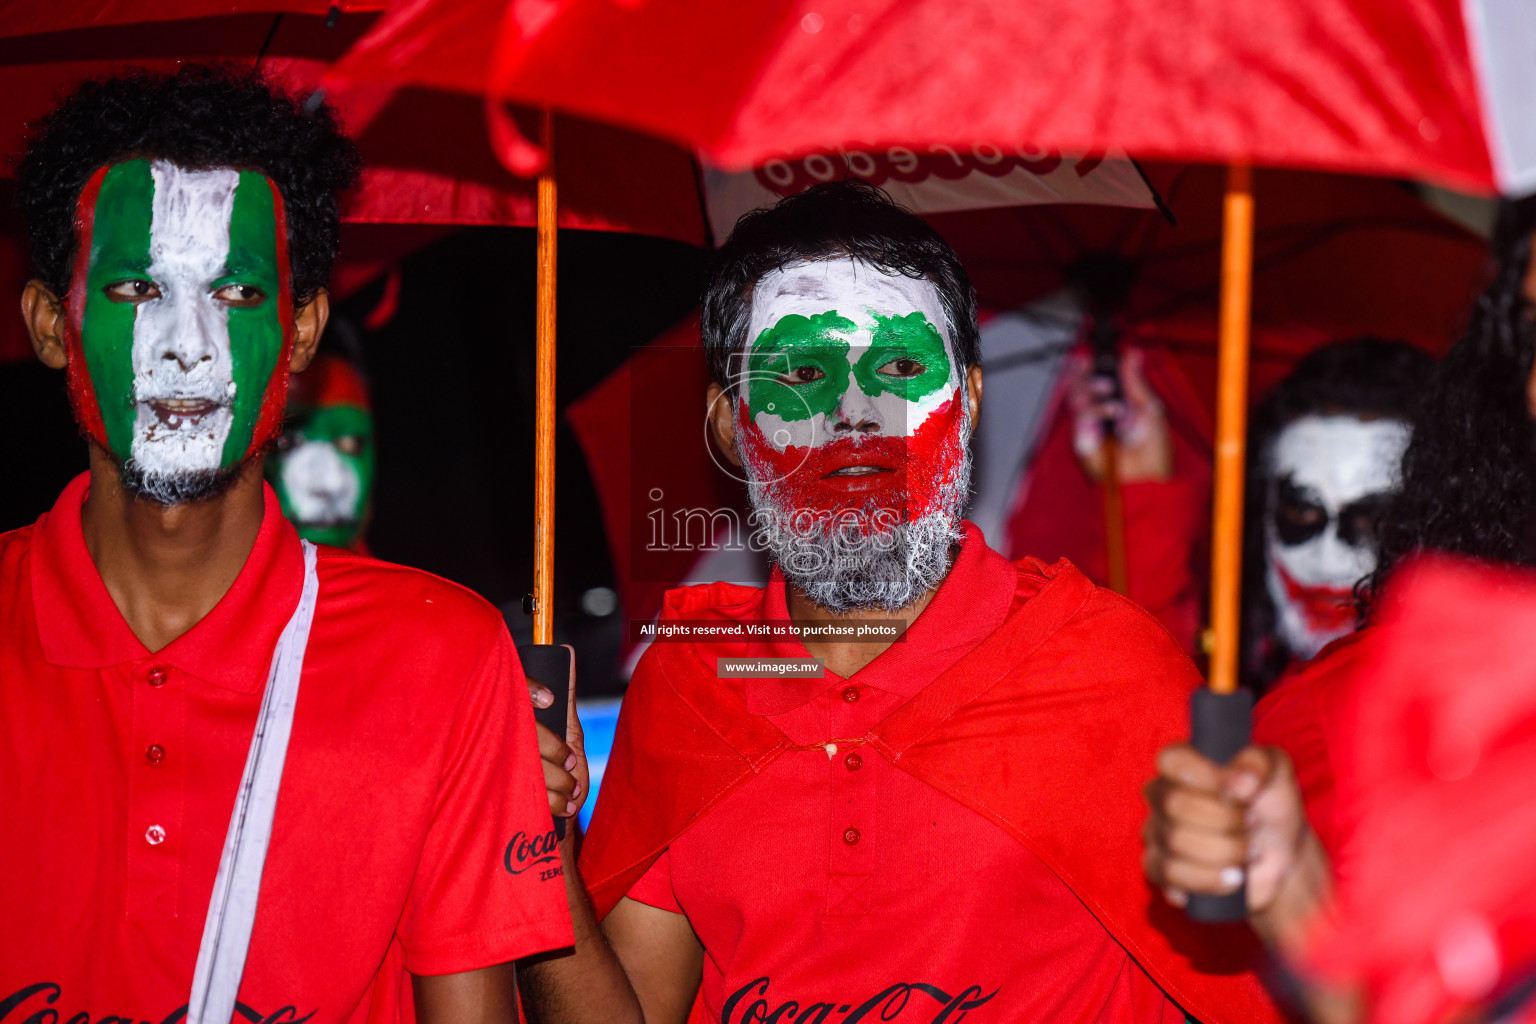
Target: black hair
column 199, row 116
column 1469, row 474
column 836, row 218
column 1370, row 378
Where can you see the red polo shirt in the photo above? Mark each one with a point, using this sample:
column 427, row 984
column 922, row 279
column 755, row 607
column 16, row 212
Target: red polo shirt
column 837, row 889
column 411, row 786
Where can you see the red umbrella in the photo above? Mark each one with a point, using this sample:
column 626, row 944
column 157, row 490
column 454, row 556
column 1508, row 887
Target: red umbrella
column 1424, row 88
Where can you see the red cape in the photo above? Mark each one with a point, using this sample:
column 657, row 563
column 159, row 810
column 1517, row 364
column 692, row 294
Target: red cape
column 1049, row 728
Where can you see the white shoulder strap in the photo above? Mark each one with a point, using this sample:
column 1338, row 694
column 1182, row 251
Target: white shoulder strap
column 232, row 911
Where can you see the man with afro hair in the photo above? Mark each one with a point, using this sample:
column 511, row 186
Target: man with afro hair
column 240, row 776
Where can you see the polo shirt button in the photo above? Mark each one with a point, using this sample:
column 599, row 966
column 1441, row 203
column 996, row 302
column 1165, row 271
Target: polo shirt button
column 853, row 762
column 156, row 677
column 155, row 753
column 154, row 835
column 851, row 694
column 850, row 836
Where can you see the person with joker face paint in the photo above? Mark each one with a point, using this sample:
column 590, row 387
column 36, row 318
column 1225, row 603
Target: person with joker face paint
column 1328, row 444
column 253, row 773
column 322, row 468
column 910, row 830
column 1324, row 451
column 1332, row 476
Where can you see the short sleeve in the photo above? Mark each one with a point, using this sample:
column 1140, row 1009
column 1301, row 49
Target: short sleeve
column 654, row 888
column 488, row 887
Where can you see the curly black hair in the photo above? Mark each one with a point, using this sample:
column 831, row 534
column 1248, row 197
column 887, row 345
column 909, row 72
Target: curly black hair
column 1469, row 474
column 835, row 218
column 1371, row 378
column 199, row 116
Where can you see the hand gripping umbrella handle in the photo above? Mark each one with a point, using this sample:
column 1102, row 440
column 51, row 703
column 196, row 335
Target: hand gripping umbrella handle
column 552, row 665
column 1221, row 724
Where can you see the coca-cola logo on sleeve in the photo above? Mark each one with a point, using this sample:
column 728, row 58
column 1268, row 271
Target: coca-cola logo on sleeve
column 907, row 1002
column 38, row 1004
column 526, row 852
column 788, row 177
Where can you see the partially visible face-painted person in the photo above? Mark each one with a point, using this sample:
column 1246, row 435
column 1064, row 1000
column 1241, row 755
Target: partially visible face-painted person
column 322, row 468
column 1332, row 477
column 852, row 423
column 180, row 323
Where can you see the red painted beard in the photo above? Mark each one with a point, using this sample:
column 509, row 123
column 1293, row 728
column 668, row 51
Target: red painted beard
column 896, row 480
column 1326, row 609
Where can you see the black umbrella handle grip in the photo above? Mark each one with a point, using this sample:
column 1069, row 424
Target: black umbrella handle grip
column 1104, row 345
column 1221, row 725
column 552, row 665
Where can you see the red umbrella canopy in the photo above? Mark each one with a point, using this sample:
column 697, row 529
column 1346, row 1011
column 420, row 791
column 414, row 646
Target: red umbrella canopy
column 1432, row 88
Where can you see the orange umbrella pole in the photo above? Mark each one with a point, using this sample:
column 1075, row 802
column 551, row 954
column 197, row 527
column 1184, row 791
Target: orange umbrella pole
column 1221, row 714
column 1114, row 517
column 544, row 402
column 1231, row 429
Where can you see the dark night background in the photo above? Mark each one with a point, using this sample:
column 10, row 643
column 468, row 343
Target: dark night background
column 452, row 377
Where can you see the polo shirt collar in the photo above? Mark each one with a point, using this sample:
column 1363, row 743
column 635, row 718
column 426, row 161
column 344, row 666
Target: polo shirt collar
column 969, row 606
column 80, row 627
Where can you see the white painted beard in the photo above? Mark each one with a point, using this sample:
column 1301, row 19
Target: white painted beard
column 865, row 560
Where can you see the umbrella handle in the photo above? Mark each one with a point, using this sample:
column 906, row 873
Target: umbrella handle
column 554, row 667
column 544, row 401
column 1115, row 558
column 1231, row 428
column 1220, row 725
column 1220, row 716
column 1106, row 366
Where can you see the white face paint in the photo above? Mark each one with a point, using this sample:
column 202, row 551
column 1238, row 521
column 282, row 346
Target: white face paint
column 1330, row 476
column 321, row 486
column 858, row 293
column 183, row 383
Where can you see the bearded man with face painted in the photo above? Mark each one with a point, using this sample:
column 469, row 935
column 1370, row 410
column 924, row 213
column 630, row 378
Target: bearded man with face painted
column 920, row 832
column 242, row 775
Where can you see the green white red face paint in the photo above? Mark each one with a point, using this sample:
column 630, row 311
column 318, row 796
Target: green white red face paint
column 852, row 424
column 181, row 316
column 1331, row 477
